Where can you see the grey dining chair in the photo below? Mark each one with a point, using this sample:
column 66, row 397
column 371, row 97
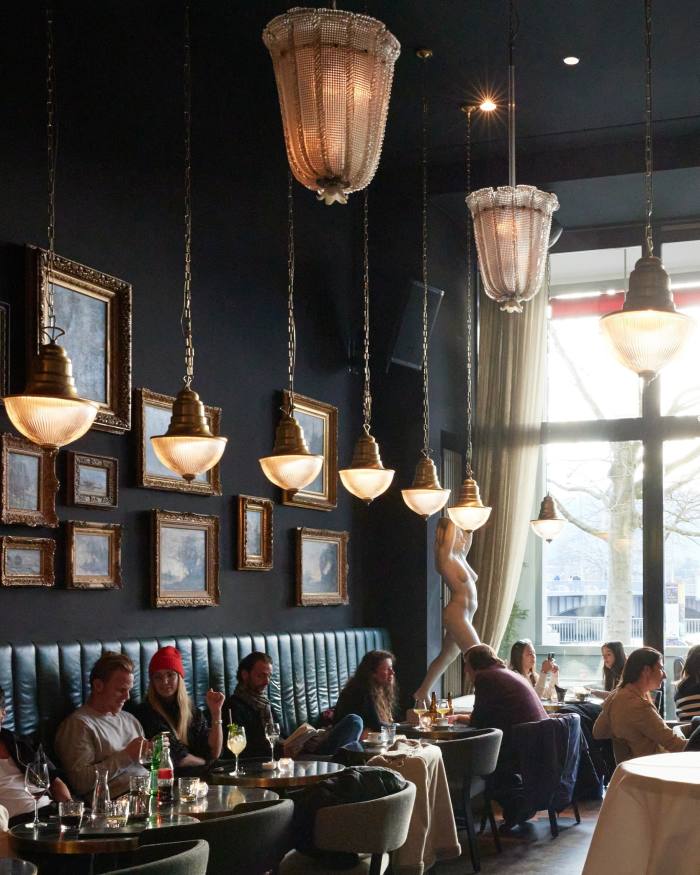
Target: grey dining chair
column 12, row 866
column 173, row 858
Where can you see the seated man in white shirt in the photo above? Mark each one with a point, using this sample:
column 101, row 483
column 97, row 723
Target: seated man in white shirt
column 100, row 733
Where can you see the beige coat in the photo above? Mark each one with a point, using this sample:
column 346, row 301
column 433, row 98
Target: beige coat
column 632, row 718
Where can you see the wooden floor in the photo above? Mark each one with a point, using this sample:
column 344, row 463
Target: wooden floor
column 532, row 851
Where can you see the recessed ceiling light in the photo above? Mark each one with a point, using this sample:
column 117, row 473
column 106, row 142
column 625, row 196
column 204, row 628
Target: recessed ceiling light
column 571, row 60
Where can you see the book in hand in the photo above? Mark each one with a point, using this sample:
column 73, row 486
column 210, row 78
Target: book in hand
column 299, row 739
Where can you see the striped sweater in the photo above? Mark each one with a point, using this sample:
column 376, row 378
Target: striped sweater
column 687, row 699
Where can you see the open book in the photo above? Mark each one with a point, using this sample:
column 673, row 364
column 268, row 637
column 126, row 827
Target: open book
column 297, row 740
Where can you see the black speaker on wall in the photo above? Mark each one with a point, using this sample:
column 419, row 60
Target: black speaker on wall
column 407, row 346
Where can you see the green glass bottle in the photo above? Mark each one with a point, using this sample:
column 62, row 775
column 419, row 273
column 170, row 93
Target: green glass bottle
column 155, row 765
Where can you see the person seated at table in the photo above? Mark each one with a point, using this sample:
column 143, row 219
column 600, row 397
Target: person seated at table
column 249, row 706
column 687, row 694
column 614, row 659
column 522, row 660
column 100, row 733
column 168, row 708
column 371, row 692
column 15, row 754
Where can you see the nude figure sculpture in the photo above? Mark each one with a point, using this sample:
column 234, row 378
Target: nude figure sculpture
column 451, row 548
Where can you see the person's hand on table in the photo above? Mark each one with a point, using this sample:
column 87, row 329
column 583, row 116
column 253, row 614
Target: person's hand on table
column 460, row 718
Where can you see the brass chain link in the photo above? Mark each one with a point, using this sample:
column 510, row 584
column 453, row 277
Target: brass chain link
column 291, row 325
column 186, row 319
column 47, row 292
column 424, row 254
column 469, row 297
column 648, row 143
column 367, row 391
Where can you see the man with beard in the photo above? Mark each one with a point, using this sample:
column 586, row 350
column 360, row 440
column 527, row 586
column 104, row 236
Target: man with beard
column 370, row 692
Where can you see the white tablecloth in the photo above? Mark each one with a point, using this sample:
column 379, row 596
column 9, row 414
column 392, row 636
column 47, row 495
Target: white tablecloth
column 648, row 824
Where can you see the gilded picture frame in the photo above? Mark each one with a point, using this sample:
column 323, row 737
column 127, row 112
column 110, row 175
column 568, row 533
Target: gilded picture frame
column 254, row 534
column 94, row 310
column 320, row 424
column 185, row 560
column 27, row 561
column 29, row 483
column 92, row 481
column 93, row 555
column 321, row 567
column 153, row 410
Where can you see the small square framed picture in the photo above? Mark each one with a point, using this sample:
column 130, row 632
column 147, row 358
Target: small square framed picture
column 26, row 561
column 322, row 567
column 29, row 483
column 92, row 481
column 254, row 534
column 185, row 569
column 93, row 555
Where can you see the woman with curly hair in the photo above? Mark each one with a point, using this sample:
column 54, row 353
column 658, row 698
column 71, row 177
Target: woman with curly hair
column 371, row 692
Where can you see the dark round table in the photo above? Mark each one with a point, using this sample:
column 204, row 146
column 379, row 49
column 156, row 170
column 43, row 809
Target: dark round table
column 251, row 774
column 439, row 733
column 222, row 800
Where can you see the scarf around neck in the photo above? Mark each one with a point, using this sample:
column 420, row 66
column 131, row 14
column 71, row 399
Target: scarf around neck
column 257, row 701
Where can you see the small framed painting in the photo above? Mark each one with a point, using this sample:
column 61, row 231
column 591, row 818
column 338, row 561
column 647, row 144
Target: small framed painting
column 185, row 570
column 254, row 534
column 29, row 483
column 93, row 559
column 92, row 480
column 322, row 567
column 320, row 424
column 26, row 561
column 153, row 412
column 94, row 310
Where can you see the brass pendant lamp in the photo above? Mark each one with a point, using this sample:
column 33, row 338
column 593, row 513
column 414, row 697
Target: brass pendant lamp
column 291, row 465
column 425, row 496
column 366, row 477
column 648, row 331
column 188, row 447
column 50, row 412
column 469, row 513
column 548, row 524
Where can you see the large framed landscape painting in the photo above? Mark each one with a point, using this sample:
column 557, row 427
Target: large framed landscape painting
column 26, row 561
column 322, row 567
column 93, row 555
column 29, row 483
column 254, row 534
column 153, row 411
column 185, row 570
column 94, row 310
column 320, row 424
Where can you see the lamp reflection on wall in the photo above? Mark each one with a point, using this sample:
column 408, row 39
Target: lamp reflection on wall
column 50, row 412
column 334, row 71
column 648, row 331
column 366, row 477
column 188, row 447
column 548, row 525
column 291, row 465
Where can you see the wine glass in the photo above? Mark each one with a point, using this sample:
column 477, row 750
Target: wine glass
column 146, row 753
column 36, row 784
column 420, row 707
column 272, row 734
column 236, row 742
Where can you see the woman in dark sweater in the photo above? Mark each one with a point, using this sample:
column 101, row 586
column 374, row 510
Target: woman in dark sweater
column 370, row 692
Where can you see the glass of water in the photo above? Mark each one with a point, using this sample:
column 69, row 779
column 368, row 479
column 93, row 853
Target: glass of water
column 117, row 813
column 389, row 730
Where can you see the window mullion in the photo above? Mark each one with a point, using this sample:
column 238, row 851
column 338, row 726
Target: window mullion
column 653, row 518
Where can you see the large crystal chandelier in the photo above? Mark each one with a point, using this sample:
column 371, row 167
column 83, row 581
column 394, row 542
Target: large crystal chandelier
column 334, row 71
column 511, row 223
column 188, row 447
column 648, row 331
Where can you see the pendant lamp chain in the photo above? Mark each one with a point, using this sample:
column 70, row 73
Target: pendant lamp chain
column 291, row 324
column 186, row 320
column 648, row 142
column 469, row 299
column 367, row 389
column 424, row 255
column 49, row 329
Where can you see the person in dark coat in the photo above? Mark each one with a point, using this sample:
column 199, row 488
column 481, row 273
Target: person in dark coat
column 371, row 691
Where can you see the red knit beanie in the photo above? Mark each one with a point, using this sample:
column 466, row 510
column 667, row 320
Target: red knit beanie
column 167, row 659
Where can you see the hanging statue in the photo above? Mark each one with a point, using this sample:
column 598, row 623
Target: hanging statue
column 451, row 547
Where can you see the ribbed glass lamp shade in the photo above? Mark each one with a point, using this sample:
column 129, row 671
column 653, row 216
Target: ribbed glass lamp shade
column 426, row 496
column 291, row 465
column 334, row 71
column 366, row 477
column 511, row 229
column 547, row 529
column 469, row 513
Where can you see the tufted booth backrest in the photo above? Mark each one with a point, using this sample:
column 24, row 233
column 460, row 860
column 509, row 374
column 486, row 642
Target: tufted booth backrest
column 45, row 682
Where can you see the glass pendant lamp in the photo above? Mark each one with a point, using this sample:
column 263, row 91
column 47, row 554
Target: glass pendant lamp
column 548, row 524
column 291, row 465
column 366, row 477
column 50, row 412
column 188, row 447
column 425, row 495
column 648, row 332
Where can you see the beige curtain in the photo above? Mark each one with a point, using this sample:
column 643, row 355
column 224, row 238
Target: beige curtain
column 510, row 399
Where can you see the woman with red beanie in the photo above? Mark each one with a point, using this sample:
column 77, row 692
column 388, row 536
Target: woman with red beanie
column 168, row 708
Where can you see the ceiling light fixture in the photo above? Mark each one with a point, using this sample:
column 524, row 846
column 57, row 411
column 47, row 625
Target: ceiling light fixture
column 571, row 60
column 487, row 105
column 548, row 524
column 648, row 331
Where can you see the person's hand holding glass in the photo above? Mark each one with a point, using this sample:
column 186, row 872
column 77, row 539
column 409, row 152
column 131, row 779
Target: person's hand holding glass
column 272, row 734
column 236, row 742
column 146, row 753
column 36, row 784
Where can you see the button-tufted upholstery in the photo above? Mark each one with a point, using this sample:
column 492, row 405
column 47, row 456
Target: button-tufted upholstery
column 45, row 682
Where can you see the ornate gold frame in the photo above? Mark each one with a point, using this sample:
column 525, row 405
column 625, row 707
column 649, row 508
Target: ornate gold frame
column 45, row 515
column 341, row 539
column 115, row 415
column 87, row 581
column 77, row 499
column 210, row 525
column 47, row 547
column 246, row 561
column 174, row 483
column 328, row 498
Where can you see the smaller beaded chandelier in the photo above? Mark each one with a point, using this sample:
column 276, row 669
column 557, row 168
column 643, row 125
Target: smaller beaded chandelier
column 334, row 71
column 512, row 223
column 548, row 524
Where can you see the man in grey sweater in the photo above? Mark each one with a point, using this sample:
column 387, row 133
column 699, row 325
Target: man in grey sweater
column 100, row 733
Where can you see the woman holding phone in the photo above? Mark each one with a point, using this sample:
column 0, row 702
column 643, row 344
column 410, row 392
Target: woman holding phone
column 522, row 661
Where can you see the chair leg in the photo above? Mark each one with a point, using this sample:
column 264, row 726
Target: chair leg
column 553, row 825
column 482, row 825
column 471, row 834
column 576, row 812
column 375, row 865
column 488, row 812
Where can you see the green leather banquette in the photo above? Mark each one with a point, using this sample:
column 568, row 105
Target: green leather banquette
column 45, row 682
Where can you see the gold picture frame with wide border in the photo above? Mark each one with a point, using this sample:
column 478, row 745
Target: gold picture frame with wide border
column 93, row 555
column 29, row 483
column 254, row 534
column 92, row 481
column 320, row 424
column 94, row 310
column 321, row 567
column 153, row 411
column 185, row 559
column 27, row 561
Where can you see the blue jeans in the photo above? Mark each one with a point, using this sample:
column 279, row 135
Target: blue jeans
column 345, row 733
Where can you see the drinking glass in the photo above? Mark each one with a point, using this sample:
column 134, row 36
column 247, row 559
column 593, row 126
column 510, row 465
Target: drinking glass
column 424, row 721
column 146, row 753
column 420, row 707
column 389, row 732
column 36, row 784
column 443, row 707
column 70, row 815
column 187, row 789
column 117, row 812
column 236, row 742
column 272, row 734
column 139, row 796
